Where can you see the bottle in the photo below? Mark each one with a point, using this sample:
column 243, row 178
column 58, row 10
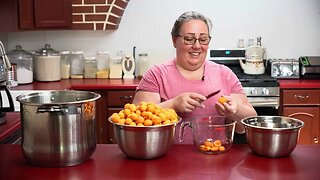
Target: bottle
column 103, row 64
column 77, row 64
column 65, row 64
column 90, row 67
column 143, row 64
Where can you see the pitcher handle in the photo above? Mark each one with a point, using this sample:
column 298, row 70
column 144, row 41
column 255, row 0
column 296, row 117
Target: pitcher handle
column 11, row 105
column 181, row 130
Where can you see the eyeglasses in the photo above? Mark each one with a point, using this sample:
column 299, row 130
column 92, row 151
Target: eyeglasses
column 190, row 40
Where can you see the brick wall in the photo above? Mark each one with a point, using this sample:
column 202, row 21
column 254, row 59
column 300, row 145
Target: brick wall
column 97, row 14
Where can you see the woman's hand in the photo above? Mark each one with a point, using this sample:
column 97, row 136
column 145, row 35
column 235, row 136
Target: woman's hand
column 187, row 102
column 227, row 108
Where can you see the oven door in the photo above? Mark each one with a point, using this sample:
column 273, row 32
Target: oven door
column 265, row 106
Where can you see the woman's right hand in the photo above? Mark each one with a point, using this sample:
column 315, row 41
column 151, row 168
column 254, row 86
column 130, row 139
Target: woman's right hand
column 187, row 102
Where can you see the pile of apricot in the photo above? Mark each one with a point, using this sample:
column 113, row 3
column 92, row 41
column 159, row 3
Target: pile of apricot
column 211, row 146
column 144, row 114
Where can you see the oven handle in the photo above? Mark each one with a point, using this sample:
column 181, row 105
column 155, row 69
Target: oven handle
column 264, row 103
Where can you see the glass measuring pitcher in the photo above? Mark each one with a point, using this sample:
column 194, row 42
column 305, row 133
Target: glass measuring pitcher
column 211, row 134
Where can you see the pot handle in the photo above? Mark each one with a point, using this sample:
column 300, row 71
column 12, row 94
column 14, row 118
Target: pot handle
column 11, row 105
column 181, row 130
column 52, row 108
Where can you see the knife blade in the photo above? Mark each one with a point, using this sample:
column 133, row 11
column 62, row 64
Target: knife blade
column 210, row 95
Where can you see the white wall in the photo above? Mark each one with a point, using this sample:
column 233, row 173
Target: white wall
column 289, row 28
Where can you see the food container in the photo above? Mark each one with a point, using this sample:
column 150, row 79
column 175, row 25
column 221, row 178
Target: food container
column 24, row 62
column 144, row 142
column 77, row 64
column 211, row 134
column 58, row 127
column 65, row 64
column 90, row 67
column 47, row 64
column 272, row 136
column 103, row 64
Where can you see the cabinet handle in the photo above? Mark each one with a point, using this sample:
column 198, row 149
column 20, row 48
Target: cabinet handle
column 315, row 140
column 126, row 99
column 301, row 96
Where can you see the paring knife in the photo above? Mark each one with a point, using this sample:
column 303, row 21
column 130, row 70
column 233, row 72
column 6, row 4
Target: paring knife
column 210, row 95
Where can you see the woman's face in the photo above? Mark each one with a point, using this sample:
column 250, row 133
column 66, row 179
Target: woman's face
column 191, row 57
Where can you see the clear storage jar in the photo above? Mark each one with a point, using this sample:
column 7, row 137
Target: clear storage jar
column 90, row 67
column 77, row 64
column 103, row 64
column 143, row 64
column 65, row 64
column 24, row 65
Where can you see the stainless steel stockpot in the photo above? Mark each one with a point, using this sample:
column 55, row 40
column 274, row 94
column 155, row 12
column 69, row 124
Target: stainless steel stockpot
column 58, row 127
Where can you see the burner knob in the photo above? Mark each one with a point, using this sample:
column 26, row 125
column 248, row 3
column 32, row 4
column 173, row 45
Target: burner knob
column 265, row 91
column 254, row 92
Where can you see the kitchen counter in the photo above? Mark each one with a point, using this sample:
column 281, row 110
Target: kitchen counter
column 81, row 84
column 299, row 84
column 11, row 126
column 181, row 162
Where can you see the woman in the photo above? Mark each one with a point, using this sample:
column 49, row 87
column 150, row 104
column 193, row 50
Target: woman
column 184, row 82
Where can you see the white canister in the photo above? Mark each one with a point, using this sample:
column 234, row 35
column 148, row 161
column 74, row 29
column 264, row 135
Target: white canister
column 47, row 65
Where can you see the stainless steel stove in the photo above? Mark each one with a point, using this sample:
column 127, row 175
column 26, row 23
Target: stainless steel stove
column 261, row 90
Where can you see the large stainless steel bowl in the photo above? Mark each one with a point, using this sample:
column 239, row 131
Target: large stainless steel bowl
column 272, row 136
column 147, row 142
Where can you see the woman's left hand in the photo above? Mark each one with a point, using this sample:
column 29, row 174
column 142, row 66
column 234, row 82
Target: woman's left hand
column 228, row 108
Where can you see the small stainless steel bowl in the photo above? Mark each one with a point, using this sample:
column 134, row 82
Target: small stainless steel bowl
column 146, row 142
column 272, row 136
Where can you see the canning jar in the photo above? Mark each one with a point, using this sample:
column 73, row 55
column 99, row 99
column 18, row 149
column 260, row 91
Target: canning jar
column 115, row 67
column 102, row 64
column 24, row 62
column 77, row 65
column 142, row 64
column 65, row 64
column 90, row 67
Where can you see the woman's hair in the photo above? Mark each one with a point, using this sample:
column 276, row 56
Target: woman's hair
column 187, row 16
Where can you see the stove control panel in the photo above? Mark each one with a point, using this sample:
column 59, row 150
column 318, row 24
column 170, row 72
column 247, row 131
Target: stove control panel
column 261, row 91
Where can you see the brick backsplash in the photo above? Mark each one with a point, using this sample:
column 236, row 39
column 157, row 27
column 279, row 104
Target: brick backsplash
column 97, row 14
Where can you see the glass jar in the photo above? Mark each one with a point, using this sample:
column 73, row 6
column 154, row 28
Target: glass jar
column 103, row 64
column 77, row 64
column 143, row 64
column 115, row 67
column 24, row 65
column 90, row 67
column 65, row 64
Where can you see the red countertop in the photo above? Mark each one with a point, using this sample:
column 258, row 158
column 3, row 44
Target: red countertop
column 11, row 126
column 81, row 84
column 299, row 84
column 181, row 162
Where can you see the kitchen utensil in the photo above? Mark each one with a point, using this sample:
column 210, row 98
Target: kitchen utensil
column 24, row 62
column 210, row 129
column 3, row 110
column 47, row 64
column 144, row 142
column 272, row 136
column 210, row 95
column 128, row 67
column 253, row 65
column 58, row 127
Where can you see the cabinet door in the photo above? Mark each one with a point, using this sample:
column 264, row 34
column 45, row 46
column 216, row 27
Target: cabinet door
column 26, row 18
column 8, row 15
column 53, row 14
column 309, row 134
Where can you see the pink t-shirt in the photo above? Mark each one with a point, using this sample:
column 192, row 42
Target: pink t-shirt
column 166, row 80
